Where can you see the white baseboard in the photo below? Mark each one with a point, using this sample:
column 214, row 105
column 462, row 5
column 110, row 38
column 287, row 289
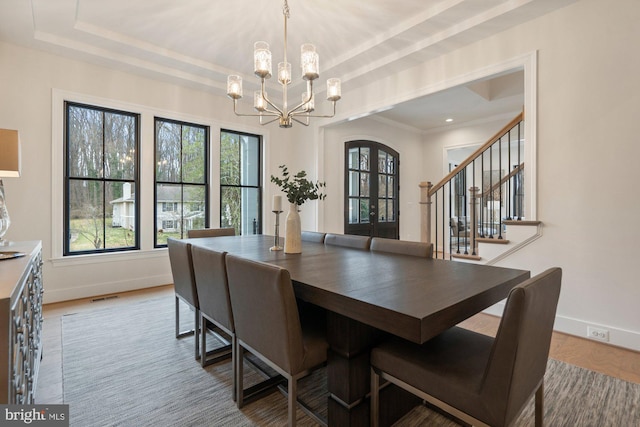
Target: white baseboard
column 617, row 337
column 58, row 295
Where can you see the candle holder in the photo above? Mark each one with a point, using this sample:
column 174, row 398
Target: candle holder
column 276, row 243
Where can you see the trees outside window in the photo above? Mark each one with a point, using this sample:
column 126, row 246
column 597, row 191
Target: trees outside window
column 101, row 178
column 182, row 171
column 240, row 182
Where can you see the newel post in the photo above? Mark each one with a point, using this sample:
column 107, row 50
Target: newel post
column 425, row 211
column 473, row 226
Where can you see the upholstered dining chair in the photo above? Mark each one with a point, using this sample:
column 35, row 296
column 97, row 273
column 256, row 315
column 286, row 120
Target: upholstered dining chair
column 481, row 380
column 184, row 286
column 268, row 325
column 348, row 241
column 419, row 249
column 313, row 236
column 211, row 232
column 210, row 272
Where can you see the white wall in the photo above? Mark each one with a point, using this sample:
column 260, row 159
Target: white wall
column 588, row 101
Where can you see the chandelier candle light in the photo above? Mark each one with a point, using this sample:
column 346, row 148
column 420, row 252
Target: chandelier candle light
column 262, row 68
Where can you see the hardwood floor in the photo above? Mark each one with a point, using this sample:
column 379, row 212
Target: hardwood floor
column 599, row 357
column 604, row 358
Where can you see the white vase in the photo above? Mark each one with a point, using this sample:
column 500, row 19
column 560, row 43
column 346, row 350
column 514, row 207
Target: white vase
column 293, row 233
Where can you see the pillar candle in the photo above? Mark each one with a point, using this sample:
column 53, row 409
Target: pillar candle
column 277, row 204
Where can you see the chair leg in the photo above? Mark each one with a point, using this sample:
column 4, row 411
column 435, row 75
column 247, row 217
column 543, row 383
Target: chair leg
column 203, row 340
column 197, row 332
column 177, row 318
column 375, row 398
column 238, row 375
column 234, row 368
column 540, row 405
column 292, row 400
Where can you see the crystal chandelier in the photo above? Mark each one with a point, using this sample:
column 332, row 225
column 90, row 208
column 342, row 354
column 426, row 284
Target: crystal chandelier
column 262, row 68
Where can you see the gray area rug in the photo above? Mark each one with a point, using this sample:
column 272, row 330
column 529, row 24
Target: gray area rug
column 122, row 366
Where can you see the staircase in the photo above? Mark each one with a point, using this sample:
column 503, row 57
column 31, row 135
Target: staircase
column 486, row 190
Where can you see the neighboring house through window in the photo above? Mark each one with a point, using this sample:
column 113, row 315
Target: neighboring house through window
column 182, row 171
column 240, row 182
column 101, row 176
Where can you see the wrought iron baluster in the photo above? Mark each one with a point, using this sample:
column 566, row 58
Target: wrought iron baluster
column 520, row 197
column 509, row 199
column 500, row 188
column 435, row 209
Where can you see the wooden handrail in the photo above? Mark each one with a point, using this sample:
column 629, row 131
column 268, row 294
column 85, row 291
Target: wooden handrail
column 517, row 119
column 504, row 179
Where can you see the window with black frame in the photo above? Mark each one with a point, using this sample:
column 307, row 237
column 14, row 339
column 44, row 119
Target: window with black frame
column 101, row 209
column 181, row 179
column 241, row 182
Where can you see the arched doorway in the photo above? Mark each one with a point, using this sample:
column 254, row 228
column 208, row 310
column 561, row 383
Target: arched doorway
column 371, row 190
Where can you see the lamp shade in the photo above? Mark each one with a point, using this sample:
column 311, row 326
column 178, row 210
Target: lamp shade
column 9, row 153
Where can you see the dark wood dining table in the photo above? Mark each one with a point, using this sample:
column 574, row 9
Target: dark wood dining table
column 369, row 295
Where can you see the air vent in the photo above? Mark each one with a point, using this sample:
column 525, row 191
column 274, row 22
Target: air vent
column 104, row 298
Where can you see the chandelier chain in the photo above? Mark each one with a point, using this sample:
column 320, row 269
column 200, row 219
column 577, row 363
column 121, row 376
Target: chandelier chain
column 285, row 9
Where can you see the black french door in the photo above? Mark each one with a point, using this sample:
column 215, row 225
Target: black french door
column 371, row 190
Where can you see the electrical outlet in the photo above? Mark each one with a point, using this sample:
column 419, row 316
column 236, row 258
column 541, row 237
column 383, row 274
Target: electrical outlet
column 598, row 333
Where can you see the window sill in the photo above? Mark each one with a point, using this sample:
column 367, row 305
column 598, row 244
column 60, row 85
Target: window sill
column 108, row 257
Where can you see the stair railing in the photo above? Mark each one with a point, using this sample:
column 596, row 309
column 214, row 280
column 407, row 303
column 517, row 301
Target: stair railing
column 453, row 216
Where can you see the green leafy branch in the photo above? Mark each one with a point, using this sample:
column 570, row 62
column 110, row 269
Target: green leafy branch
column 297, row 187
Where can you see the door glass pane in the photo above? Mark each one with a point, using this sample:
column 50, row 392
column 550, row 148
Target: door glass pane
column 364, row 184
column 382, row 186
column 353, row 158
column 354, row 181
column 364, row 211
column 364, row 159
column 382, row 210
column 382, row 161
column 391, row 188
column 391, row 164
column 353, row 211
column 391, row 210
